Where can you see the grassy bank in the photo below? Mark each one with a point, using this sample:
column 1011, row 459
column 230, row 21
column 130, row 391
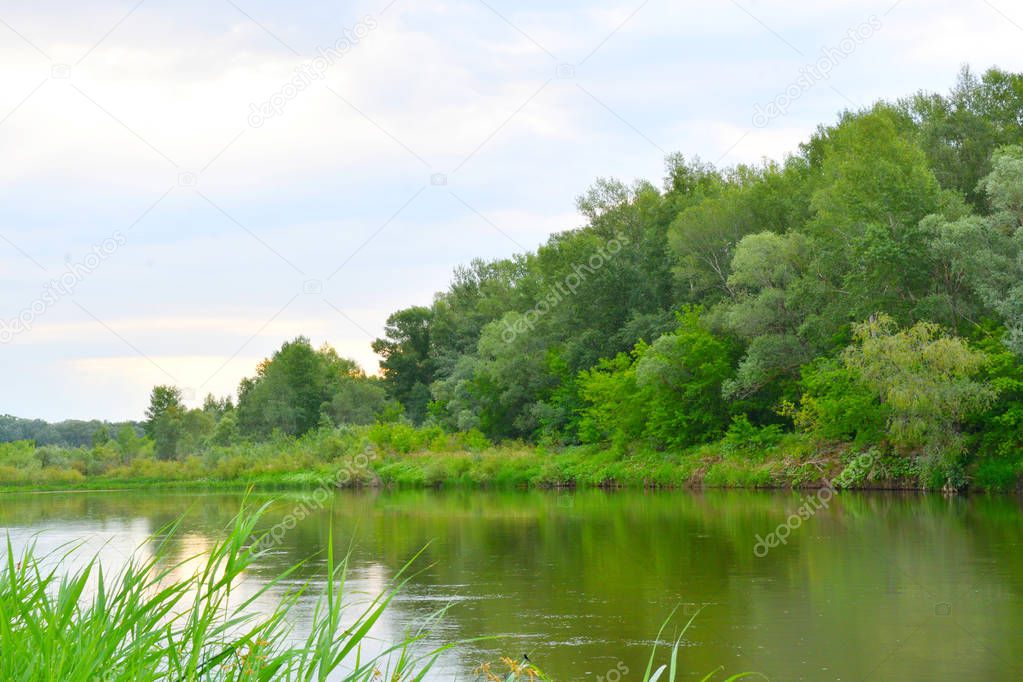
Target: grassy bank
column 403, row 456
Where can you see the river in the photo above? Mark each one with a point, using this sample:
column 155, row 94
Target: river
column 872, row 586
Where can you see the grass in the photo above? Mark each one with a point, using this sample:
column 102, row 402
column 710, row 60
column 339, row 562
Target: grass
column 150, row 623
column 400, row 455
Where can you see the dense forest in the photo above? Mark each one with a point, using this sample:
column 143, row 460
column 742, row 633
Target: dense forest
column 865, row 291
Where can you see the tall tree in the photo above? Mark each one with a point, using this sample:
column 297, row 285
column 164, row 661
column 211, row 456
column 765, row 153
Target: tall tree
column 407, row 365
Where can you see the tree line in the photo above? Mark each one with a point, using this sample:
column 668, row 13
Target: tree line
column 866, row 291
column 71, row 433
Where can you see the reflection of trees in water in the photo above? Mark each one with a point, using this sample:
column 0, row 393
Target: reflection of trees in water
column 601, row 570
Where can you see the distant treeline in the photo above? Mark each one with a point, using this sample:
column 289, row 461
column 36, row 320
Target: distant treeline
column 71, row 433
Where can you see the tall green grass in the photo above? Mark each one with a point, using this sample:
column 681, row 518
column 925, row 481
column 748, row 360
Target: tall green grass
column 149, row 623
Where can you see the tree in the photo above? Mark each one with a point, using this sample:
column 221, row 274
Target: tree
column 978, row 260
column 217, row 407
column 294, row 391
column 288, row 391
column 407, row 366
column 167, row 431
column 101, row 436
column 613, row 406
column 165, row 420
column 668, row 393
column 681, row 375
column 766, row 312
column 161, row 400
column 837, row 405
column 1004, row 187
column 926, row 381
column 226, row 431
column 359, row 401
column 959, row 132
column 704, row 237
column 128, row 442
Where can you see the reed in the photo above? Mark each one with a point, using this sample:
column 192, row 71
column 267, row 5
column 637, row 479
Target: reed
column 161, row 619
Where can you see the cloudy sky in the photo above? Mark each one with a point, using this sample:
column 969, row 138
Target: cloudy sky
column 187, row 184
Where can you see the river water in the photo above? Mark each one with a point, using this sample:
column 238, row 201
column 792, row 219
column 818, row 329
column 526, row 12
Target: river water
column 874, row 586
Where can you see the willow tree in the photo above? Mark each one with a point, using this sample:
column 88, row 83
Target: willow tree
column 926, row 379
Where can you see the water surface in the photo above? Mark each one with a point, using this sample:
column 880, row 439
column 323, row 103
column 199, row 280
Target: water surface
column 874, row 587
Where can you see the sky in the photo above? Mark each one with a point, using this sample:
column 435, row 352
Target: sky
column 185, row 185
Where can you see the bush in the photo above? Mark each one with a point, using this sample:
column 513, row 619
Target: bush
column 837, row 406
column 998, row 474
column 744, row 437
column 668, row 392
column 19, row 455
column 402, row 437
column 58, row 476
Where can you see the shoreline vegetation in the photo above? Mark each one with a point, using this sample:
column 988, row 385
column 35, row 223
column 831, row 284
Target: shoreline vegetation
column 404, row 456
column 758, row 325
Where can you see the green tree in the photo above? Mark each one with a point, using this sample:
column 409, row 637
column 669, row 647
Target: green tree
column 288, row 392
column 407, row 365
column 359, row 401
column 613, row 406
column 925, row 379
column 167, row 431
column 101, row 436
column 766, row 312
column 128, row 442
column 165, row 421
column 161, row 400
column 668, row 393
column 960, row 131
column 226, row 430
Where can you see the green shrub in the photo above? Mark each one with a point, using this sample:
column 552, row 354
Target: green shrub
column 837, row 406
column 744, row 437
column 19, row 455
column 998, row 474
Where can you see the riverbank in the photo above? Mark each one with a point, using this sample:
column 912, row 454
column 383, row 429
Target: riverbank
column 399, row 456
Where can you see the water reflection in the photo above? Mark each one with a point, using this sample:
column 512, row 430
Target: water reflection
column 878, row 586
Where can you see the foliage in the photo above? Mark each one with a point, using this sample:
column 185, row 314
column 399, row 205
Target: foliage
column 925, row 379
column 298, row 386
column 668, row 393
column 742, row 437
column 407, row 366
column 164, row 618
column 836, row 405
column 69, row 433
